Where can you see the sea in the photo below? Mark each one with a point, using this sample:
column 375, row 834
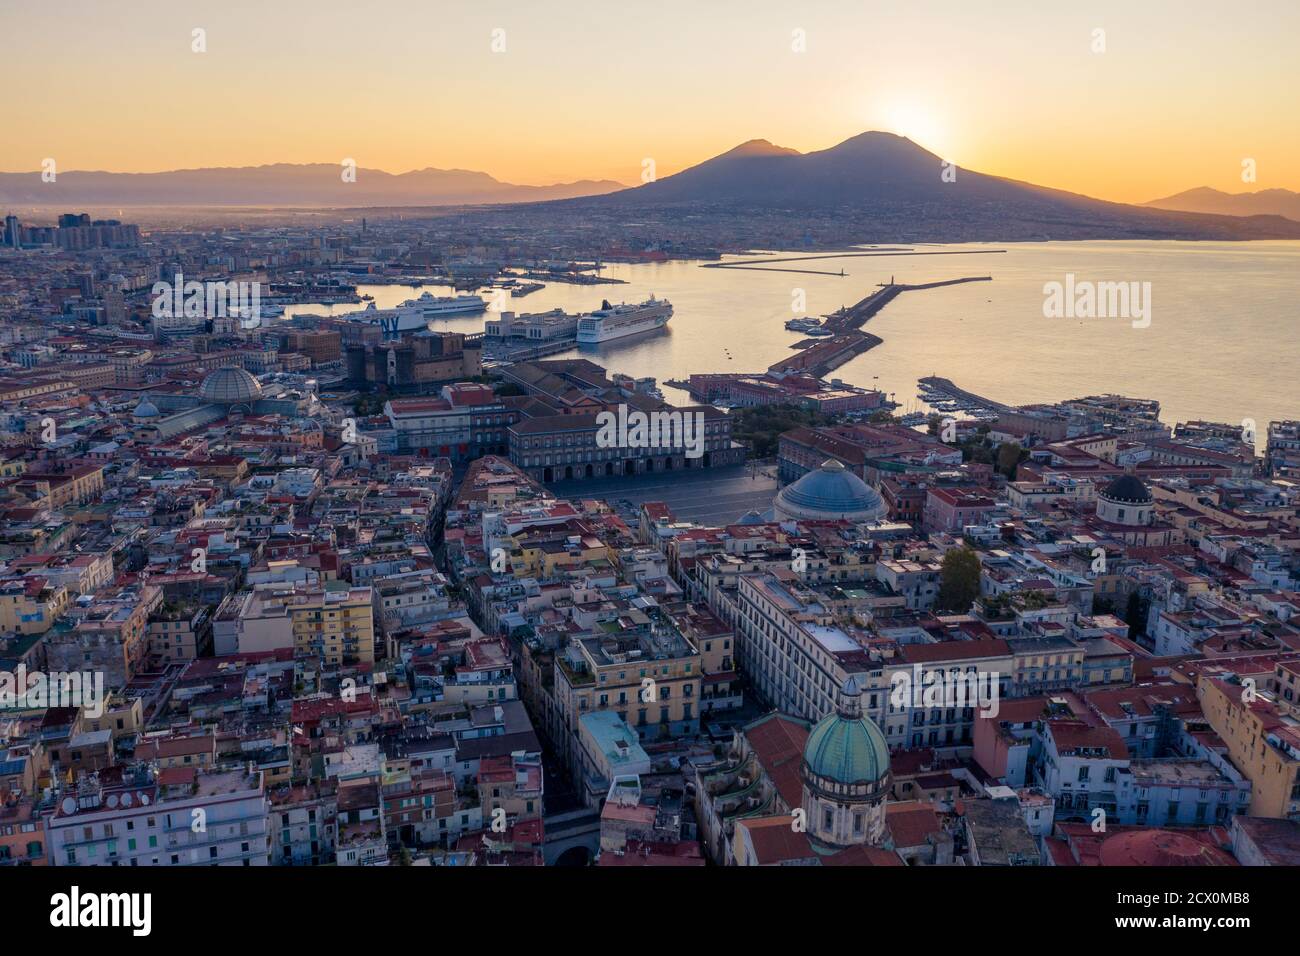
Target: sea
column 1218, row 338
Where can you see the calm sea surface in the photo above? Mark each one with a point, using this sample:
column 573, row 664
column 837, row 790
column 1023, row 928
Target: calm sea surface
column 1223, row 342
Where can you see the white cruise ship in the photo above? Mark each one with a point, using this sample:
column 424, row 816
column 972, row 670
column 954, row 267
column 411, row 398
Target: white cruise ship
column 437, row 306
column 616, row 321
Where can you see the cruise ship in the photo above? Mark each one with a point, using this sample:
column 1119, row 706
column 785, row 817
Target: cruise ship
column 616, row 321
column 438, row 306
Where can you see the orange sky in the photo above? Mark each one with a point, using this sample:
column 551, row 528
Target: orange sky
column 1179, row 97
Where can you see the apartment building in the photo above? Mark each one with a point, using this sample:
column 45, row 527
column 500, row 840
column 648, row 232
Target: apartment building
column 937, row 691
column 176, row 817
column 513, row 784
column 335, row 624
column 951, row 509
column 1080, row 767
column 640, row 669
column 1263, row 742
column 1043, row 664
column 22, row 837
column 302, row 821
column 30, row 604
column 60, row 486
column 795, row 653
column 606, row 749
column 109, row 635
column 464, row 422
column 178, row 633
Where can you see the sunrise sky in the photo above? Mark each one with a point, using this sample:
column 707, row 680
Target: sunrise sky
column 586, row 90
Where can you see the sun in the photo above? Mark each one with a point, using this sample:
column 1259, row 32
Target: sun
column 913, row 120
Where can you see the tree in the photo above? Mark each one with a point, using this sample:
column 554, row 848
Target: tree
column 959, row 580
column 976, row 448
column 1009, row 455
column 1135, row 616
column 761, row 426
column 366, row 405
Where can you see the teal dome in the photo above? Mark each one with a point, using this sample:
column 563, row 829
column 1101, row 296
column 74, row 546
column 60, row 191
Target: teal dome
column 830, row 493
column 847, row 747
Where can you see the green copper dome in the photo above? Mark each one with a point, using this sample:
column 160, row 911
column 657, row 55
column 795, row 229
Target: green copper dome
column 847, row 747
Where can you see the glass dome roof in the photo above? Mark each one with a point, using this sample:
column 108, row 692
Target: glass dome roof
column 230, row 386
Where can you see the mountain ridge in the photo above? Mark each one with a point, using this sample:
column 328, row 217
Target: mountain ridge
column 871, row 185
column 1206, row 199
column 883, row 180
column 283, row 184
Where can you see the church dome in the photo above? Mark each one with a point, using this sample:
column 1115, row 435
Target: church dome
column 846, row 747
column 146, row 409
column 230, row 386
column 1128, row 489
column 827, row 494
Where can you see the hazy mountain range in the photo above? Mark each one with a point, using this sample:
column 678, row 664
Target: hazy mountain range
column 281, row 184
column 1265, row 202
column 871, row 186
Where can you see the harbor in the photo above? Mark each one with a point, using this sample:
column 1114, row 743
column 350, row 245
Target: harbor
column 517, row 338
column 943, row 395
column 841, row 332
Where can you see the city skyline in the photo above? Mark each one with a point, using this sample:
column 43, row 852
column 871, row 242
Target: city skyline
column 1131, row 114
column 453, row 434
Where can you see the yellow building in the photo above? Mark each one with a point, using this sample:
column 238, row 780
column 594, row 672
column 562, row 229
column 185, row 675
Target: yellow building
column 641, row 669
column 336, row 625
column 512, row 783
column 30, row 605
column 171, row 752
column 61, row 486
column 122, row 717
column 178, row 634
column 1263, row 743
column 543, row 553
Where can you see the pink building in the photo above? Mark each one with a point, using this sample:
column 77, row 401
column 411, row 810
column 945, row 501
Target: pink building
column 951, row 509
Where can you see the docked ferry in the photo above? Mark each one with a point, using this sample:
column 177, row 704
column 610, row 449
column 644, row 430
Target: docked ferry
column 438, row 306
column 616, row 321
column 394, row 322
